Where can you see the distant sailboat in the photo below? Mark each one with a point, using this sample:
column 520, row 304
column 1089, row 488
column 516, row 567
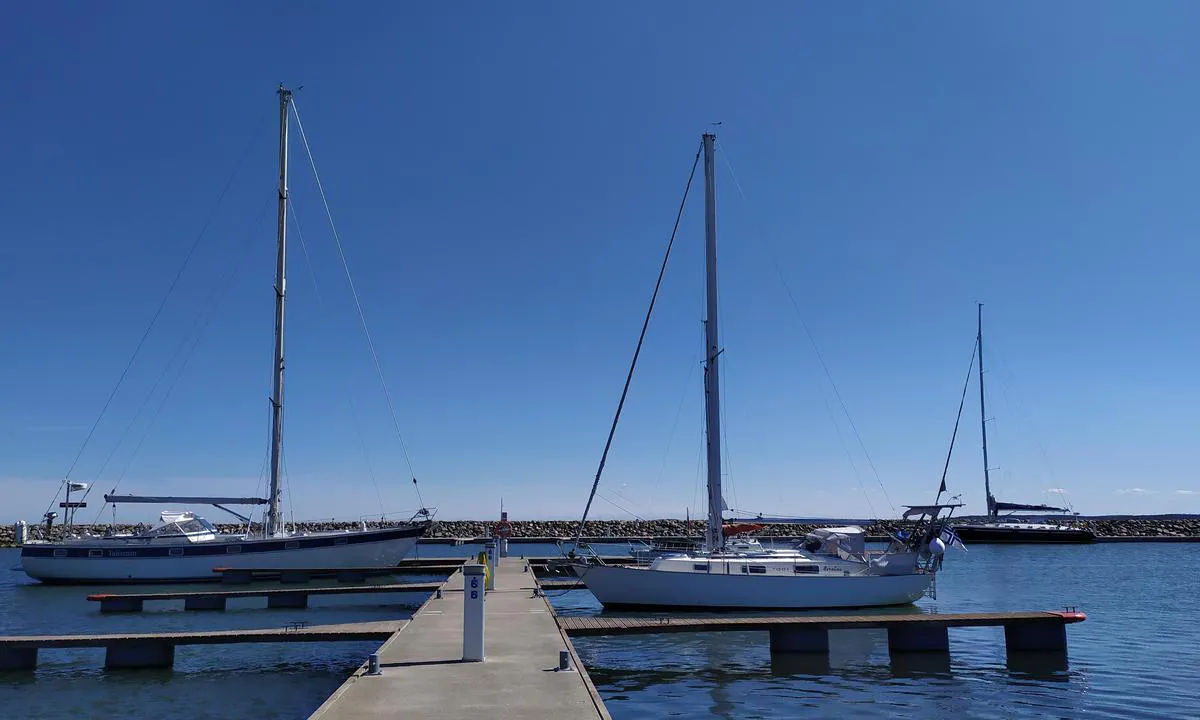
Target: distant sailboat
column 1009, row 529
column 186, row 547
column 830, row 568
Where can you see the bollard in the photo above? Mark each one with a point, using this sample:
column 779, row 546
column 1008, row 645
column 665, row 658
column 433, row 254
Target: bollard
column 438, row 594
column 564, row 661
column 503, row 547
column 373, row 664
column 473, row 598
column 490, row 549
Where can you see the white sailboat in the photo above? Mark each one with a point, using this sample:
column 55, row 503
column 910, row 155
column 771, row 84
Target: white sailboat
column 831, row 568
column 186, row 547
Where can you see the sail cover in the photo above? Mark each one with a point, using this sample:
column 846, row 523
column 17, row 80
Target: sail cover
column 1000, row 506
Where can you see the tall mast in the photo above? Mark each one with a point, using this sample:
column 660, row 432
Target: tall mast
column 712, row 390
column 987, row 485
column 274, row 516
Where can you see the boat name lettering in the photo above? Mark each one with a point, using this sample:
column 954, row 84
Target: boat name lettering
column 122, row 553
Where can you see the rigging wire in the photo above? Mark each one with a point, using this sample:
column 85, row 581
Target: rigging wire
column 612, row 431
column 957, row 419
column 158, row 312
column 357, row 303
column 812, row 341
column 679, row 410
column 194, row 336
column 349, row 399
column 1002, row 369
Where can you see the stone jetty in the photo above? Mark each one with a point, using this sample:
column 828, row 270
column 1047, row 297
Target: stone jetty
column 1103, row 527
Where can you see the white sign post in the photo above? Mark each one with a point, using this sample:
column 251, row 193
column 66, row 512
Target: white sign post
column 473, row 596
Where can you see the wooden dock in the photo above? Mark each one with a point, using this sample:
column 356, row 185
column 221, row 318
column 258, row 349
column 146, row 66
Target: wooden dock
column 142, row 650
column 918, row 632
column 291, row 598
column 245, row 576
column 423, row 674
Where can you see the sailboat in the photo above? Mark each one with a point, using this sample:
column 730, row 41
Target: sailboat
column 1008, row 528
column 830, row 568
column 183, row 546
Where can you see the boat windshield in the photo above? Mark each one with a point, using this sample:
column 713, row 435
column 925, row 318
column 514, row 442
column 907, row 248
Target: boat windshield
column 187, row 525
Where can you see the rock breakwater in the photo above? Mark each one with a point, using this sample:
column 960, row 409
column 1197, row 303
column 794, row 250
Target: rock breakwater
column 1115, row 528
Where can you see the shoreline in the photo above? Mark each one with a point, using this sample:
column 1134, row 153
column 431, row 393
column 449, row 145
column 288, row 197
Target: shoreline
column 1149, row 529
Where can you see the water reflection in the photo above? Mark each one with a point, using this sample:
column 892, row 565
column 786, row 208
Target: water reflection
column 920, row 664
column 1037, row 665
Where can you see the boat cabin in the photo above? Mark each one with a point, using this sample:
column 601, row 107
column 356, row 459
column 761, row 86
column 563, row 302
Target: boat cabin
column 175, row 525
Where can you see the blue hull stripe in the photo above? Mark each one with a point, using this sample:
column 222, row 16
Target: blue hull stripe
column 133, row 549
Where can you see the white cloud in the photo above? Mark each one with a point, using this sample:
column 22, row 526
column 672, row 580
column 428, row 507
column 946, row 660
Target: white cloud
column 1136, row 491
column 1187, row 492
column 1062, row 491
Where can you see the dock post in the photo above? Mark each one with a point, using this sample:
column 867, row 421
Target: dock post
column 139, row 654
column 917, row 638
column 1050, row 634
column 789, row 640
column 473, row 597
column 204, row 602
column 289, row 600
column 18, row 658
column 490, row 548
column 116, row 603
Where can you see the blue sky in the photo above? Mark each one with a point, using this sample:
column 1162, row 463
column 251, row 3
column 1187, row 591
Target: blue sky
column 504, row 178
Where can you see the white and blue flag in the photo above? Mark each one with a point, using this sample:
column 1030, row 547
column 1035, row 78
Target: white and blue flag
column 951, row 538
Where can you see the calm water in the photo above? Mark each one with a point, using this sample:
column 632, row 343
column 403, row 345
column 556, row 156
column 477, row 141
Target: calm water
column 1137, row 656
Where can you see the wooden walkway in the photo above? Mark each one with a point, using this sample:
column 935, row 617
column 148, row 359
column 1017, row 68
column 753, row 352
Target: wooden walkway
column 136, row 650
column 244, row 576
column 917, row 632
column 423, row 674
column 617, row 625
column 276, row 597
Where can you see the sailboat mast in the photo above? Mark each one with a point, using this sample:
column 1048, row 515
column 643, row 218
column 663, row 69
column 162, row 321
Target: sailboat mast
column 987, row 485
column 712, row 391
column 274, row 515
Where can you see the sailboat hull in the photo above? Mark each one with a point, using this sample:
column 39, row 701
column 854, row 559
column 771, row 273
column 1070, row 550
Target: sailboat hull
column 619, row 587
column 985, row 533
column 103, row 560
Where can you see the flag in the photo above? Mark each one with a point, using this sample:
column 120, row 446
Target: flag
column 942, row 489
column 77, row 486
column 951, row 538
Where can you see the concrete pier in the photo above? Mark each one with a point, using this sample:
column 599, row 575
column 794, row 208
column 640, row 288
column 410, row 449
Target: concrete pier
column 423, row 674
column 1026, row 636
column 785, row 640
column 919, row 638
column 291, row 598
column 245, row 576
column 139, row 654
column 1025, row 632
column 138, row 650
